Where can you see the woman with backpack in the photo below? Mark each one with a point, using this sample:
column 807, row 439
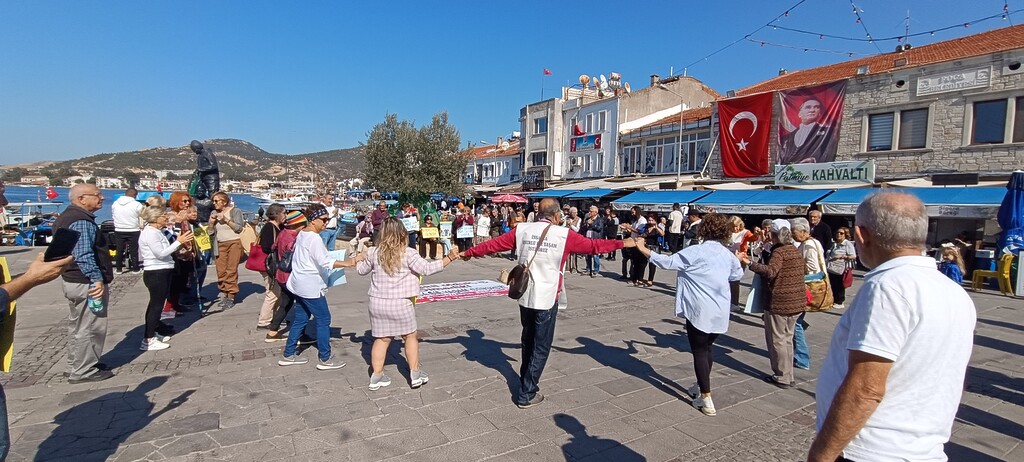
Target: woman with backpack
column 283, row 247
column 268, row 236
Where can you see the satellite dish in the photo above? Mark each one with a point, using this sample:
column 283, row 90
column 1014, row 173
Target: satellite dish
column 504, row 145
column 584, row 79
column 595, row 81
column 626, row 87
column 604, row 81
column 614, row 76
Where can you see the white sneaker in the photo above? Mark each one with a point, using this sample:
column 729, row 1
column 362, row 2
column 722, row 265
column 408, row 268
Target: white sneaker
column 705, row 405
column 837, row 306
column 418, row 378
column 153, row 344
column 693, row 391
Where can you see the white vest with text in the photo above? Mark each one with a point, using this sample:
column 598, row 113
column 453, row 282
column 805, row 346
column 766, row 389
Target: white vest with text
column 546, row 271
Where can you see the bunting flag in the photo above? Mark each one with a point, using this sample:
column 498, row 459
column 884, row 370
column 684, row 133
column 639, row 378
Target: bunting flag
column 744, row 127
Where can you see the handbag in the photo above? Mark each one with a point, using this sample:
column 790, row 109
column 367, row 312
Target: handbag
column 847, row 277
column 820, row 293
column 257, row 260
column 518, row 278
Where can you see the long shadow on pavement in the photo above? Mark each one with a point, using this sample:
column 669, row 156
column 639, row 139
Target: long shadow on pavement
column 1008, row 325
column 677, row 340
column 957, row 452
column 581, row 444
column 127, row 349
column 622, row 359
column 93, row 430
column 486, row 352
column 393, row 356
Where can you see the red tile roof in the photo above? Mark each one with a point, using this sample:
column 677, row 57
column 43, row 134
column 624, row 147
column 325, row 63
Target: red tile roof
column 1003, row 39
column 689, row 115
column 491, row 150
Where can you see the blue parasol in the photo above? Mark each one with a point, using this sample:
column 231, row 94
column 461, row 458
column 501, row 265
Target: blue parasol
column 1011, row 214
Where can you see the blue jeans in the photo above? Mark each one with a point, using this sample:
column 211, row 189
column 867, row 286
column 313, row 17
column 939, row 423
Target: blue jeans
column 801, row 352
column 593, row 263
column 5, row 432
column 446, row 245
column 330, row 237
column 538, row 333
column 304, row 307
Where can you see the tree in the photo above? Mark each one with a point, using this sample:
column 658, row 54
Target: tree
column 416, row 162
column 13, row 175
column 131, row 178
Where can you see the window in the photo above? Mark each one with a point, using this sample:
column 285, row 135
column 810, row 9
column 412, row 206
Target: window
column 589, row 125
column 1018, row 120
column 913, row 129
column 989, row 122
column 539, row 158
column 586, row 164
column 632, row 156
column 602, row 121
column 880, row 132
column 540, row 125
column 695, row 151
column 573, row 123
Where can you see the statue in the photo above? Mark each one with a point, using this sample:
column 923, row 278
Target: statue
column 205, row 180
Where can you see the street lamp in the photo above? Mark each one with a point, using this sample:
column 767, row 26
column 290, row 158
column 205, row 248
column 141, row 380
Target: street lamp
column 679, row 152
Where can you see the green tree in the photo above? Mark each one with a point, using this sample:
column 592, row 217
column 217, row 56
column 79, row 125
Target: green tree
column 13, row 175
column 416, row 162
column 131, row 178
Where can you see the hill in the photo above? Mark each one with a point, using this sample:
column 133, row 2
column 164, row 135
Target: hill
column 238, row 159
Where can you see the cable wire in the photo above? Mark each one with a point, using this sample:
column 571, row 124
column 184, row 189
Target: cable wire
column 776, row 18
column 822, row 35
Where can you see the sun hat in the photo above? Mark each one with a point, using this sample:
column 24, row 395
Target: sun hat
column 293, row 218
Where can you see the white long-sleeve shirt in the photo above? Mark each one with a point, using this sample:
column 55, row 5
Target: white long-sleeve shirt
column 310, row 266
column 703, row 273
column 155, row 251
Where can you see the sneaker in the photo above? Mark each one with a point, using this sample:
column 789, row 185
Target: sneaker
column 330, row 364
column 537, row 399
column 693, row 391
column 136, row 271
column 378, row 381
column 837, row 306
column 153, row 344
column 263, row 326
column 276, row 336
column 417, row 378
column 736, row 308
column 292, row 360
column 705, row 405
column 227, row 304
column 163, row 338
column 167, row 315
column 100, row 375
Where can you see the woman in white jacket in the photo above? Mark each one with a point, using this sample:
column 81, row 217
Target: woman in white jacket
column 158, row 255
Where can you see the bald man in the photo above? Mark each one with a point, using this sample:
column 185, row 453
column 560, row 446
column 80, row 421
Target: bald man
column 891, row 384
column 87, row 277
column 539, row 306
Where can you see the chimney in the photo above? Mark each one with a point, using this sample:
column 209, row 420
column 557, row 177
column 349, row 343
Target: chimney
column 782, row 71
column 655, row 78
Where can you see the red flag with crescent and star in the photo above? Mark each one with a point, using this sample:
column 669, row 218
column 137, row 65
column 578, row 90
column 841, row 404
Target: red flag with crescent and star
column 744, row 125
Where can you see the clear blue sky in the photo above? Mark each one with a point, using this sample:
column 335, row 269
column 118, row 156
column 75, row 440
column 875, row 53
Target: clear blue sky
column 79, row 78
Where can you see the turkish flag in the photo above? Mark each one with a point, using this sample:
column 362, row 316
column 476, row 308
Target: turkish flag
column 547, row 71
column 744, row 125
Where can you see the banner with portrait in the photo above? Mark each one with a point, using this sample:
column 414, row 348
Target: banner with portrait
column 809, row 123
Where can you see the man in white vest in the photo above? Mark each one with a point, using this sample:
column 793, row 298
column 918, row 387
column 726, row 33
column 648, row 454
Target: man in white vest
column 539, row 306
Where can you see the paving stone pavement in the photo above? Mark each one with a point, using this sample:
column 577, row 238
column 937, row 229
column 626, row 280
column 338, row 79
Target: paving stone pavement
column 615, row 384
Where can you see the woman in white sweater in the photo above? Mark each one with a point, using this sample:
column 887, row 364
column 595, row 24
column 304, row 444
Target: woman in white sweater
column 158, row 255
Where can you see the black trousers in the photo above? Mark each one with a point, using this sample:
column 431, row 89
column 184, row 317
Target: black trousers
column 285, row 302
column 700, row 346
column 428, row 246
column 627, row 258
column 639, row 265
column 159, row 284
column 538, row 333
column 838, row 291
column 127, row 241
column 675, row 241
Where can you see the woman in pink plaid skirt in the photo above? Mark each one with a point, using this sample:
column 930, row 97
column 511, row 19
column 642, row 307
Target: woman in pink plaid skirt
column 395, row 271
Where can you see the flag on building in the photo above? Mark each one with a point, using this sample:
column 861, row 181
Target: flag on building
column 547, row 71
column 744, row 126
column 809, row 124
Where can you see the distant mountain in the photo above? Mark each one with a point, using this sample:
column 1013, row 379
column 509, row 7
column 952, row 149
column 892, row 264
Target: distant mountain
column 238, row 160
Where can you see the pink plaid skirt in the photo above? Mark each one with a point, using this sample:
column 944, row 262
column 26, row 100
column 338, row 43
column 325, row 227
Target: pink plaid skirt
column 390, row 317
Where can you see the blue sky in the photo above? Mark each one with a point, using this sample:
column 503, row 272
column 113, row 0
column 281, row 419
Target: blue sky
column 79, row 78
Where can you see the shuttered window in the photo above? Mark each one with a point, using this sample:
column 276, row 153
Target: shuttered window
column 913, row 129
column 989, row 122
column 1018, row 122
column 880, row 132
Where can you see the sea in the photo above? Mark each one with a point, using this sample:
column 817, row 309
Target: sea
column 245, row 202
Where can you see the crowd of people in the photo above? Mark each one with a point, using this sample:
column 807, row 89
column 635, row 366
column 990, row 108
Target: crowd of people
column 877, row 366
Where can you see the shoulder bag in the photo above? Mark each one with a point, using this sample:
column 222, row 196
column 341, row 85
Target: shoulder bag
column 820, row 293
column 258, row 260
column 518, row 279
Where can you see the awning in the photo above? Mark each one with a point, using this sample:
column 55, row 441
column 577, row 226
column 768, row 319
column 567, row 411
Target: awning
column 952, row 202
column 657, row 201
column 594, row 193
column 763, row 202
column 556, row 193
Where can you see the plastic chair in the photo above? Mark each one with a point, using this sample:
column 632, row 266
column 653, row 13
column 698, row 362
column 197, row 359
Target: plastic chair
column 1002, row 274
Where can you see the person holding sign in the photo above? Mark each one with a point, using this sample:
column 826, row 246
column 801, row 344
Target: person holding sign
column 428, row 238
column 395, row 272
column 463, row 226
column 444, row 230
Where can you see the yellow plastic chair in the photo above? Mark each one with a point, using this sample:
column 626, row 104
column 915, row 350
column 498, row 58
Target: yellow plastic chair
column 1002, row 274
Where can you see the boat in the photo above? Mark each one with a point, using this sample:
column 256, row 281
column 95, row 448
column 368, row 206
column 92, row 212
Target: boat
column 287, row 199
column 30, row 223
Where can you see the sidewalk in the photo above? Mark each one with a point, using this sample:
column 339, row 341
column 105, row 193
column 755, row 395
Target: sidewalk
column 614, row 384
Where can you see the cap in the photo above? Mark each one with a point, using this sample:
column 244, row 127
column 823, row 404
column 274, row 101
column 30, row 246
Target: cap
column 293, row 218
column 778, row 224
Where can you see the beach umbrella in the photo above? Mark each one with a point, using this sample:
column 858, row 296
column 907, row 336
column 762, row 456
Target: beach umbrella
column 1011, row 214
column 509, row 198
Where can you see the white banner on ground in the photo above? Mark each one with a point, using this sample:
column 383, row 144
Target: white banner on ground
column 461, row 290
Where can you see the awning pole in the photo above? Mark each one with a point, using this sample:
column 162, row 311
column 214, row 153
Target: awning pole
column 708, row 161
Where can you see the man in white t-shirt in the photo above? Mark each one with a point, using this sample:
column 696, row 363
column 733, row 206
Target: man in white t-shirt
column 891, row 384
column 127, row 228
column 330, row 233
column 675, row 228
